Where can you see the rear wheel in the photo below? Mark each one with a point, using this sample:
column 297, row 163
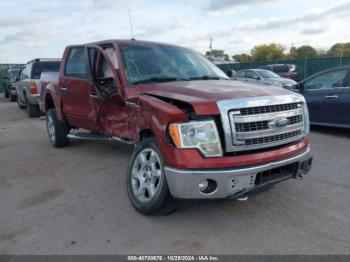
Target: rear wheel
column 146, row 182
column 19, row 103
column 57, row 131
column 33, row 110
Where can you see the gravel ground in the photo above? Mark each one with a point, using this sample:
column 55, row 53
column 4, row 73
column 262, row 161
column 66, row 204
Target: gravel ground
column 73, row 201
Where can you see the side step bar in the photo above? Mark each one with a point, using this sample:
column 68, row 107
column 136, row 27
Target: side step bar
column 97, row 137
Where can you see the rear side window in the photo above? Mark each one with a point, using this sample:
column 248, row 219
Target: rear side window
column 281, row 69
column 75, row 65
column 45, row 66
column 240, row 74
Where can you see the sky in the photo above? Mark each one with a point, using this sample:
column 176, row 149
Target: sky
column 36, row 29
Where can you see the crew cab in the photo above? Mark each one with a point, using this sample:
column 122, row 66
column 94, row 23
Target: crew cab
column 197, row 134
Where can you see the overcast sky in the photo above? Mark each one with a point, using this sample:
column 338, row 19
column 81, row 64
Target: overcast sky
column 30, row 28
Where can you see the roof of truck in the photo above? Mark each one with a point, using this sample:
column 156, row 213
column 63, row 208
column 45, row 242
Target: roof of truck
column 124, row 41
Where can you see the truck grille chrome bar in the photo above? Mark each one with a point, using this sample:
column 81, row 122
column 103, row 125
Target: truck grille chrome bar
column 256, row 123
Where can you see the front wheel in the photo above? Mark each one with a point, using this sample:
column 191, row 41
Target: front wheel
column 13, row 98
column 146, row 183
column 56, row 130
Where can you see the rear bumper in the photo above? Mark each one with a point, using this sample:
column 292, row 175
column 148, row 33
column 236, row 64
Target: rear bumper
column 34, row 99
column 232, row 182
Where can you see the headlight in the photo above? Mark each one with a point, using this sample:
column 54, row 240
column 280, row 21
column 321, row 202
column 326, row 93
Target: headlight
column 202, row 135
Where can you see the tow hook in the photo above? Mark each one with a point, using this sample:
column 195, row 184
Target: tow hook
column 242, row 198
column 298, row 176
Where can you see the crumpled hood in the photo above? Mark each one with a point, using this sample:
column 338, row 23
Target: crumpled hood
column 203, row 95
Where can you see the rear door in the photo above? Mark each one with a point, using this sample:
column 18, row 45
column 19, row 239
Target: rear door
column 323, row 94
column 76, row 90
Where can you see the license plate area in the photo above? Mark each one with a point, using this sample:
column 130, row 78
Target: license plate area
column 275, row 174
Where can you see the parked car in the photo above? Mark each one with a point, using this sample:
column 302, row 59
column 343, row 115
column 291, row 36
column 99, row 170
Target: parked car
column 29, row 86
column 197, row 134
column 265, row 77
column 6, row 86
column 283, row 70
column 328, row 96
column 13, row 76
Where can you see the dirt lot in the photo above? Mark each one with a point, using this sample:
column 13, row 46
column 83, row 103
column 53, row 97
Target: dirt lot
column 73, row 201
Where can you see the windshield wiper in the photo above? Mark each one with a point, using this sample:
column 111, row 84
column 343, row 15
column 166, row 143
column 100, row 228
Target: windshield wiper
column 206, row 77
column 160, row 79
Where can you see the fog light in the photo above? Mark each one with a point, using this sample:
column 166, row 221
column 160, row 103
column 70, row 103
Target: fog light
column 203, row 185
column 207, row 186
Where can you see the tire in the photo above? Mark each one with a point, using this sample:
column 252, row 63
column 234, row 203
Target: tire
column 148, row 159
column 6, row 94
column 57, row 131
column 13, row 98
column 20, row 106
column 33, row 110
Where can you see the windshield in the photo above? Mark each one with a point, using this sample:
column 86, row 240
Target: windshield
column 267, row 74
column 156, row 63
column 13, row 74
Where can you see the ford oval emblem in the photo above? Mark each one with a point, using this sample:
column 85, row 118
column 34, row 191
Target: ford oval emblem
column 279, row 122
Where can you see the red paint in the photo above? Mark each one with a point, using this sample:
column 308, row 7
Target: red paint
column 115, row 115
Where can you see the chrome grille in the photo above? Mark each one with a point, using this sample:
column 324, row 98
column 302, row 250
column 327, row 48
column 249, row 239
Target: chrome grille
column 268, row 109
column 261, row 122
column 260, row 129
column 263, row 125
column 271, row 139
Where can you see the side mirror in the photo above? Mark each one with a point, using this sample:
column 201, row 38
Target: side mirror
column 231, row 73
column 256, row 77
column 5, row 78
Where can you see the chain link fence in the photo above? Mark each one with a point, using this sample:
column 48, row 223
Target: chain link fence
column 306, row 67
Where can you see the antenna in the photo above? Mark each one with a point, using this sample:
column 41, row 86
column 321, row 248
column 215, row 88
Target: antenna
column 130, row 23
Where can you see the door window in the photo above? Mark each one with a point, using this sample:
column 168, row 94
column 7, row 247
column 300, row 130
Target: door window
column 240, row 74
column 327, row 80
column 75, row 65
column 252, row 75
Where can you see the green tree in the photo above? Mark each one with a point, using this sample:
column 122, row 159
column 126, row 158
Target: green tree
column 217, row 54
column 339, row 49
column 242, row 58
column 268, row 52
column 304, row 51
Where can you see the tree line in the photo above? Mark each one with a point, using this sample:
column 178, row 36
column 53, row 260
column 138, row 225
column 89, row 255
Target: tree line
column 273, row 51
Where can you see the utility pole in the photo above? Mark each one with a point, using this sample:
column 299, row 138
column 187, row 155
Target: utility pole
column 341, row 54
column 130, row 24
column 211, row 46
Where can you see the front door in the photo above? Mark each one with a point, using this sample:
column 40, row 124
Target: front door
column 323, row 94
column 75, row 91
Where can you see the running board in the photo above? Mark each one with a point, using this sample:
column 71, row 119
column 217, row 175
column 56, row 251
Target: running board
column 97, row 137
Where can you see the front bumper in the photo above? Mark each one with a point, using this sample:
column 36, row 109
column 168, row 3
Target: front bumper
column 233, row 182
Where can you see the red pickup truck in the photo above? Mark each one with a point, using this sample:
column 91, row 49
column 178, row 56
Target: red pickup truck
column 197, row 134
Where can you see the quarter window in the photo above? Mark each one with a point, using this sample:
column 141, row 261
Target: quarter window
column 75, row 65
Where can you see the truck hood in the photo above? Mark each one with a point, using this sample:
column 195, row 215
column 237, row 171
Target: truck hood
column 204, row 95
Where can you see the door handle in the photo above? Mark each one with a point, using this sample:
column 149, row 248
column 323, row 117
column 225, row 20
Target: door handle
column 94, row 95
column 331, row 97
column 63, row 88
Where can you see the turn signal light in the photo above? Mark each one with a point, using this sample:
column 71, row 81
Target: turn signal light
column 33, row 89
column 175, row 134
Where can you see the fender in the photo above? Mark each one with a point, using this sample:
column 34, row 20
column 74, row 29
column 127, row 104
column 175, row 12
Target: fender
column 155, row 115
column 52, row 91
